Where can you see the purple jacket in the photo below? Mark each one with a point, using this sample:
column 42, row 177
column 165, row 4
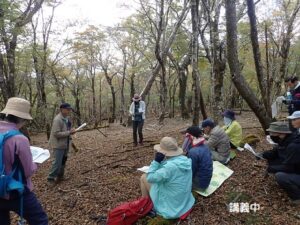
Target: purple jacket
column 22, row 150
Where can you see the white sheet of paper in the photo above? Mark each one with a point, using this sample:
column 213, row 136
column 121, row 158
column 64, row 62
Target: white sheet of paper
column 81, row 126
column 140, row 110
column 39, row 155
column 250, row 149
column 240, row 149
column 144, row 169
column 274, row 109
column 280, row 99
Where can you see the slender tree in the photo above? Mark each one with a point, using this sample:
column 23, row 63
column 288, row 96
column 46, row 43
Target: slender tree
column 14, row 16
column 235, row 70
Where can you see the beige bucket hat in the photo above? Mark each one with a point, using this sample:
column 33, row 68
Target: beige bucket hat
column 169, row 147
column 18, row 107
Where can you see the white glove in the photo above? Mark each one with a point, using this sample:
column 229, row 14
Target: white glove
column 280, row 99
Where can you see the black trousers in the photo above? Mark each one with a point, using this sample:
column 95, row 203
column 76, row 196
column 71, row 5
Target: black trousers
column 290, row 182
column 137, row 128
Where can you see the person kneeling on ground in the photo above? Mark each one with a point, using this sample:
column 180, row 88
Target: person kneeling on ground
column 198, row 152
column 218, row 141
column 232, row 128
column 169, row 180
column 289, row 176
column 280, row 134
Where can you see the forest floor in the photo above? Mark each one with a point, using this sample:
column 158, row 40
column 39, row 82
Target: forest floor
column 103, row 173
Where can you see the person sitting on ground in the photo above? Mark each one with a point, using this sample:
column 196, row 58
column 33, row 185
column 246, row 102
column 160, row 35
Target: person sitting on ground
column 218, row 141
column 289, row 176
column 169, row 180
column 232, row 128
column 280, row 134
column 202, row 164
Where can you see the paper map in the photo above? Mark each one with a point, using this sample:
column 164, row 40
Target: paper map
column 39, row 155
column 220, row 174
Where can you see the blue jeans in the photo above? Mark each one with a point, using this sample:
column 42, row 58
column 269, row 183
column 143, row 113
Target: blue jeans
column 32, row 209
column 58, row 166
column 290, row 182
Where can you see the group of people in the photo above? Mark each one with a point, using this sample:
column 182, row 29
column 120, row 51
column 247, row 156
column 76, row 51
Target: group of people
column 284, row 159
column 173, row 173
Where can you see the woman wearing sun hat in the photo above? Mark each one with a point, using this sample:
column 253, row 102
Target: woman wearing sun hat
column 137, row 111
column 169, row 180
column 15, row 114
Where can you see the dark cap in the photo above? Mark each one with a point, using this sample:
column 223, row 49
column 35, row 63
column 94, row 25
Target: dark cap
column 194, row 131
column 65, row 106
column 229, row 114
column 208, row 123
column 279, row 127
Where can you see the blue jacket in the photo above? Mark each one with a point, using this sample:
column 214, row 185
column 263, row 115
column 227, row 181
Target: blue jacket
column 171, row 186
column 202, row 165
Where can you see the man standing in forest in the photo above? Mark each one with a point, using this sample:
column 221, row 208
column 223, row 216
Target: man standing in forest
column 59, row 142
column 137, row 111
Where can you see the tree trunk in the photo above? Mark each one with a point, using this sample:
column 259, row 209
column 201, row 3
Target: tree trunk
column 194, row 64
column 15, row 25
column 233, row 61
column 113, row 95
column 122, row 110
column 155, row 71
column 182, row 71
column 214, row 54
column 257, row 57
column 285, row 46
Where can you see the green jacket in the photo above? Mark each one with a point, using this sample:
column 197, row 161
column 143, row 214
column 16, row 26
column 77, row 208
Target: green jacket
column 234, row 132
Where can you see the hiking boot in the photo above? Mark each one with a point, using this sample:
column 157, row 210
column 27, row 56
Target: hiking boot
column 135, row 145
column 51, row 182
column 141, row 143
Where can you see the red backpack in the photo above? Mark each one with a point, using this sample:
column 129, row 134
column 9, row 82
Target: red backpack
column 129, row 212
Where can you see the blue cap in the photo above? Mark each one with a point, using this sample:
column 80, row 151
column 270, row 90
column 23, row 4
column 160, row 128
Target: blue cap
column 65, row 106
column 208, row 123
column 229, row 114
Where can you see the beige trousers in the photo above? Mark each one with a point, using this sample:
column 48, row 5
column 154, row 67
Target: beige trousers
column 145, row 185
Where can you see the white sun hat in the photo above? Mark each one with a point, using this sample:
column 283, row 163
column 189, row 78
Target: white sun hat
column 169, row 147
column 18, row 107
